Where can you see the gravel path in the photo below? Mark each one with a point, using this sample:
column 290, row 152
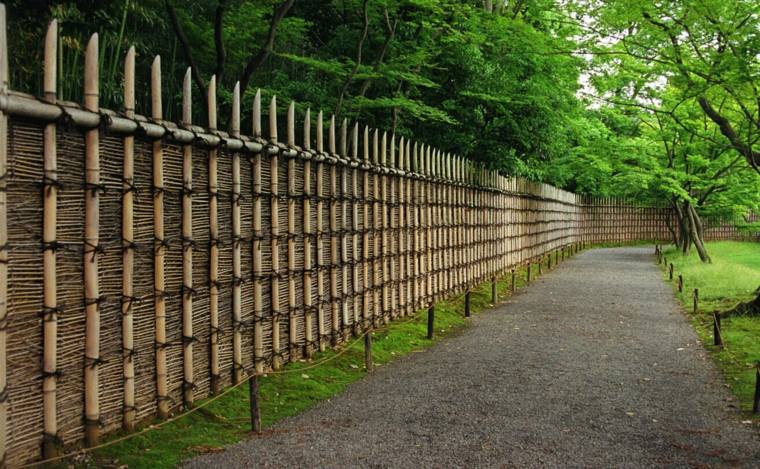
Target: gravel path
column 594, row 365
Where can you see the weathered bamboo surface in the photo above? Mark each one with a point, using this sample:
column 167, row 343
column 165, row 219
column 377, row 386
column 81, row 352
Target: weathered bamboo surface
column 207, row 256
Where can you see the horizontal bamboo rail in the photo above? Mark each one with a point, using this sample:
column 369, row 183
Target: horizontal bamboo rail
column 202, row 251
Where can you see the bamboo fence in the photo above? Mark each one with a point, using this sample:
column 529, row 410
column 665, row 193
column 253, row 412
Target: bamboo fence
column 145, row 264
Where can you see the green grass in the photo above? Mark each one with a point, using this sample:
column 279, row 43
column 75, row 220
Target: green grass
column 733, row 277
column 226, row 420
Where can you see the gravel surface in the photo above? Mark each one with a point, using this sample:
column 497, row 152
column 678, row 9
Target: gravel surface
column 593, row 365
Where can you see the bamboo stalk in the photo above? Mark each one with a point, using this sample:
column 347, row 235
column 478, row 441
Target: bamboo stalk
column 187, row 248
column 275, row 188
column 128, row 251
column 49, row 279
column 91, row 243
column 377, row 267
column 3, row 241
column 307, row 240
column 159, row 248
column 354, row 231
column 237, row 271
column 320, row 227
column 292, row 307
column 401, row 244
column 258, row 304
column 366, row 238
column 334, row 238
column 213, row 274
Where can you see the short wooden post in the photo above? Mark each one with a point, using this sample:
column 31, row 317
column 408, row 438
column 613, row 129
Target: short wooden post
column 90, row 251
column 540, row 265
column 528, row 273
column 670, row 272
column 756, row 401
column 467, row 310
column 513, row 284
column 431, row 322
column 494, row 291
column 253, row 397
column 549, row 261
column 696, row 300
column 680, row 283
column 717, row 332
column 368, row 350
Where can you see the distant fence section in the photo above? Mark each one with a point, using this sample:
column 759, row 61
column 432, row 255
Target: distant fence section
column 146, row 264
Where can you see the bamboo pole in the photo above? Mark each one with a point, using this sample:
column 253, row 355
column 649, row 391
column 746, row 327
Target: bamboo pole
column 366, row 238
column 357, row 305
column 344, row 249
column 3, row 241
column 258, row 301
column 128, row 248
column 320, row 227
column 275, row 206
column 378, row 269
column 401, row 243
column 187, row 248
column 213, row 272
column 50, row 295
column 292, row 307
column 237, row 270
column 91, row 246
column 334, row 238
column 389, row 224
column 308, row 301
column 159, row 248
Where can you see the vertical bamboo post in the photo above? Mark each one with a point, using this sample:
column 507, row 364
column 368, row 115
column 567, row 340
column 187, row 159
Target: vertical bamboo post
column 258, row 301
column 401, row 232
column 308, row 301
column 366, row 236
column 159, row 248
column 50, row 295
column 128, row 248
column 188, row 378
column 237, row 269
column 292, row 307
column 344, row 263
column 357, row 305
column 390, row 246
column 3, row 241
column 467, row 310
column 334, row 235
column 90, row 251
column 383, row 272
column 275, row 207
column 213, row 271
column 320, row 225
column 377, row 268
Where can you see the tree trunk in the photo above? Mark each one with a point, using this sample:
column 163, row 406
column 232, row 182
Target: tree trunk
column 696, row 233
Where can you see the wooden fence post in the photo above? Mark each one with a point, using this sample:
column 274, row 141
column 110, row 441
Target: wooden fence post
column 4, row 434
column 756, row 400
column 188, row 380
column 159, row 249
column 91, row 248
column 275, row 237
column 49, row 243
column 528, row 273
column 308, row 238
column 128, row 248
column 717, row 332
column 258, row 235
column 253, row 398
column 368, row 363
column 494, row 291
column 291, row 201
column 670, row 272
column 680, row 283
column 431, row 322
column 696, row 300
column 237, row 269
column 467, row 310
